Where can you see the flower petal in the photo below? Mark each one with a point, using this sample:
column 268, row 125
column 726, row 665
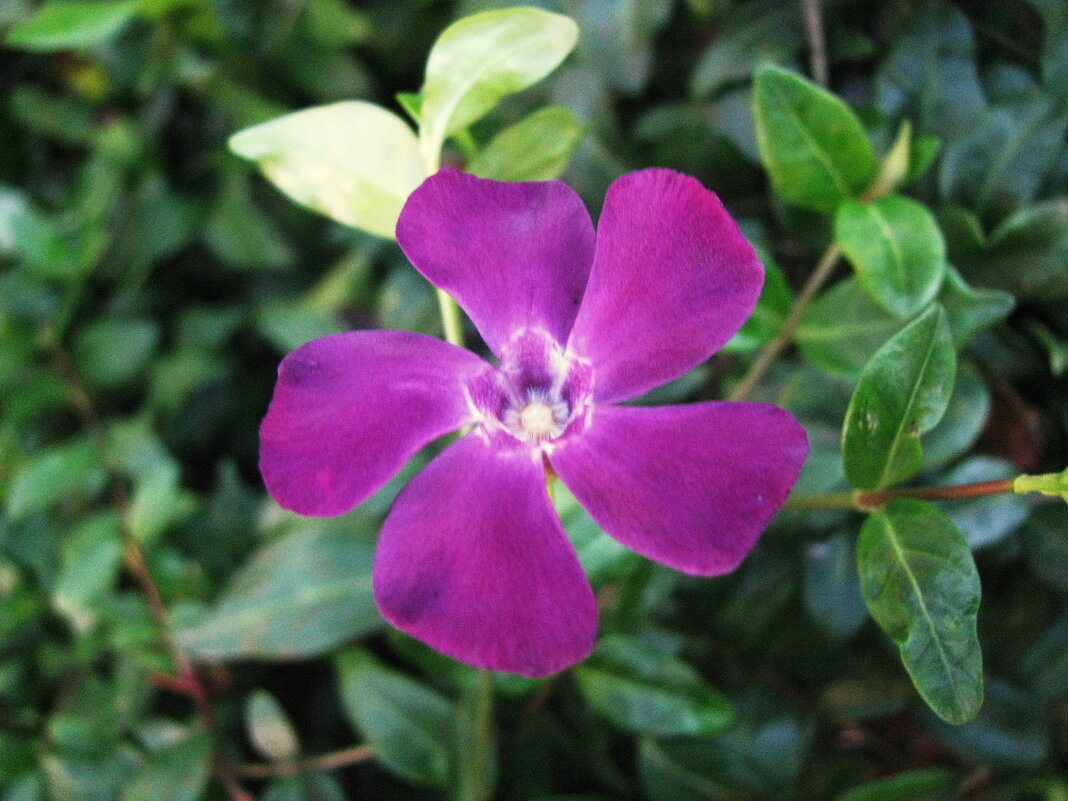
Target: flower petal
column 472, row 560
column 349, row 410
column 672, row 280
column 690, row 486
column 513, row 255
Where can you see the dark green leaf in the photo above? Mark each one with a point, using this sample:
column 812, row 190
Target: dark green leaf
column 930, row 75
column 971, row 310
column 303, row 594
column 536, row 149
column 988, row 519
column 922, row 588
column 603, row 559
column 409, row 726
column 897, row 250
column 831, row 587
column 645, row 690
column 902, row 393
column 622, row 51
column 811, row 143
column 770, row 313
column 113, row 351
column 960, row 426
column 483, row 58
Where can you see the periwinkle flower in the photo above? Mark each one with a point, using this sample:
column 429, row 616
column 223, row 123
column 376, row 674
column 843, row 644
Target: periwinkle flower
column 472, row 558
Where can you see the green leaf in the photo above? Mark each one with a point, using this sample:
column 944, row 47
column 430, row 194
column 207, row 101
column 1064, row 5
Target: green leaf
column 1001, row 164
column 301, row 595
column 536, row 149
column 92, row 559
column 269, row 728
column 71, row 24
column 621, row 51
column 930, row 75
column 811, row 143
column 902, row 393
column 409, row 726
column 988, row 519
column 771, row 311
column 971, row 310
column 960, row 426
column 65, row 472
column 480, row 60
column 842, row 328
column 1024, row 255
column 178, row 773
column 353, row 161
column 897, row 250
column 603, row 559
column 921, row 586
column 113, row 351
column 923, row 784
column 831, row 589
column 645, row 690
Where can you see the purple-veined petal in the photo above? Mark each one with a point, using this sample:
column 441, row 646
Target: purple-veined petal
column 513, row 255
column 690, row 486
column 350, row 409
column 672, row 280
column 472, row 560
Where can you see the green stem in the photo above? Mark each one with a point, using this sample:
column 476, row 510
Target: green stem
column 482, row 744
column 763, row 361
column 450, row 318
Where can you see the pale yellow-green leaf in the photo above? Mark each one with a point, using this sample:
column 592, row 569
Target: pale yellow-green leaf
column 353, row 161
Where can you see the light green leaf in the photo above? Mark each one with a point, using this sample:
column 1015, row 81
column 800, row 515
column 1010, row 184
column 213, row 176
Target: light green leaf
column 71, row 24
column 113, row 351
column 178, row 773
column 69, row 471
column 483, row 58
column 92, row 559
column 269, row 728
column 922, row 588
column 897, row 250
column 971, row 310
column 409, row 726
column 645, row 690
column 353, row 161
column 926, row 784
column 536, row 149
column 903, row 392
column 301, row 595
column 811, row 143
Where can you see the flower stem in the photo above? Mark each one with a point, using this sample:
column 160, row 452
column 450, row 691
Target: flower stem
column 819, row 277
column 450, row 318
column 482, row 742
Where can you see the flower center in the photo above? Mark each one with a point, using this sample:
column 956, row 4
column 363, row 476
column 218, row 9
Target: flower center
column 542, row 417
column 537, row 419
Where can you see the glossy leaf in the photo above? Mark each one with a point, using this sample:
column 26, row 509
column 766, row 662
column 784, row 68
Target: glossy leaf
column 843, row 328
column 409, row 726
column 831, row 589
column 301, row 595
column 536, row 149
column 989, row 519
column 71, row 24
column 921, row 586
column 902, row 393
column 483, row 58
column 961, row 425
column 897, row 250
column 353, row 161
column 970, row 310
column 811, row 143
column 647, row 691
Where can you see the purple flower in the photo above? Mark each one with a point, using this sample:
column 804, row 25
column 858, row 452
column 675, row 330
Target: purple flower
column 472, row 558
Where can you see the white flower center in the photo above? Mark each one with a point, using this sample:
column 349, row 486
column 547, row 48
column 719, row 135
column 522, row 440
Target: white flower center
column 537, row 419
column 541, row 418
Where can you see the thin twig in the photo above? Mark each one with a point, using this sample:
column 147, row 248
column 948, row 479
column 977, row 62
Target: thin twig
column 186, row 682
column 816, row 44
column 332, row 761
column 763, row 361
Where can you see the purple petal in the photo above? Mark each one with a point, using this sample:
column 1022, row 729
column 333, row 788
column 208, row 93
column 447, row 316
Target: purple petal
column 513, row 255
column 472, row 560
column 672, row 280
column 349, row 410
column 690, row 486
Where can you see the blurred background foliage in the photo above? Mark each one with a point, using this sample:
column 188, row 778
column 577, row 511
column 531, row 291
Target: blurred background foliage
column 150, row 281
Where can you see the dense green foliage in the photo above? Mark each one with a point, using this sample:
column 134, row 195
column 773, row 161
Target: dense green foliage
column 152, row 275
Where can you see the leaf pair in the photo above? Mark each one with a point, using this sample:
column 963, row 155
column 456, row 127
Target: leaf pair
column 357, row 162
